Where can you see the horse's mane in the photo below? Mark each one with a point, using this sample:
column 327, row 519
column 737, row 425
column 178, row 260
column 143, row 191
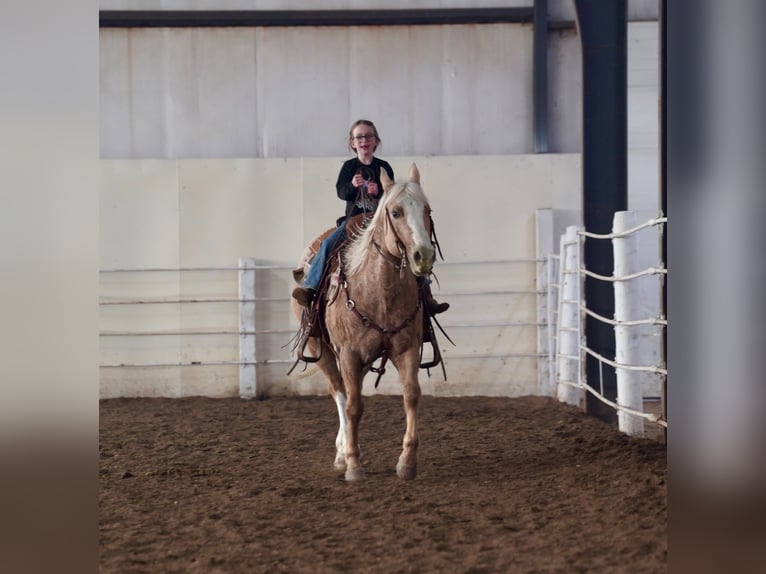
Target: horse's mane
column 356, row 252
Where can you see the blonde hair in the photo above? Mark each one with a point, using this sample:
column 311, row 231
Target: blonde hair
column 359, row 123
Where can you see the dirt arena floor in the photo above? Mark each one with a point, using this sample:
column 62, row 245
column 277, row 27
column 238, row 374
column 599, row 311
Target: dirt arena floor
column 504, row 486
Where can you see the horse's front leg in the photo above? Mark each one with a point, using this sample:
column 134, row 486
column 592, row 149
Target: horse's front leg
column 340, row 439
column 407, row 467
column 352, row 377
column 329, row 367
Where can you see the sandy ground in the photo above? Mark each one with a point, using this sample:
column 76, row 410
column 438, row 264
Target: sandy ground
column 504, row 485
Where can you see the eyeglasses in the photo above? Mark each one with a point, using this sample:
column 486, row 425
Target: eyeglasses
column 361, row 137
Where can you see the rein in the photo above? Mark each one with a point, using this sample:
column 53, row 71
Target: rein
column 434, row 240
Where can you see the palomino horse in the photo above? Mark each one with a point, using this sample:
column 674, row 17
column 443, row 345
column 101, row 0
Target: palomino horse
column 375, row 312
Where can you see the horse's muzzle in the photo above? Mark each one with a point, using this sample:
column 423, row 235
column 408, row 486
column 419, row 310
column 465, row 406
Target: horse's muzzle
column 422, row 260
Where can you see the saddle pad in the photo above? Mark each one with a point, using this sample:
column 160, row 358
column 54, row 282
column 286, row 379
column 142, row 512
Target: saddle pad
column 318, row 241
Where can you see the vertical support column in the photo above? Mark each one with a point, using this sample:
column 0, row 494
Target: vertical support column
column 544, row 241
column 663, row 15
column 603, row 34
column 247, row 372
column 540, row 86
column 627, row 340
column 569, row 321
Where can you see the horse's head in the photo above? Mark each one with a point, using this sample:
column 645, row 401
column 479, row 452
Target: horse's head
column 400, row 229
column 406, row 221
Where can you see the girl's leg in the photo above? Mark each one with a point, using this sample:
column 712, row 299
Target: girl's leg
column 306, row 292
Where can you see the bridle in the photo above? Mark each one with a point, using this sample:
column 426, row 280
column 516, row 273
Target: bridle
column 401, row 263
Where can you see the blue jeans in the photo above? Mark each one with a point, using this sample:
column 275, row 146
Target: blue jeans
column 311, row 281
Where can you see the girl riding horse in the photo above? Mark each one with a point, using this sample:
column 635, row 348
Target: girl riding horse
column 360, row 187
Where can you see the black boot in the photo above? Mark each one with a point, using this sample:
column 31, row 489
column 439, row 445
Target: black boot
column 304, row 295
column 435, row 307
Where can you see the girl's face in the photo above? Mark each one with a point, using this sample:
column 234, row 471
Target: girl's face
column 364, row 140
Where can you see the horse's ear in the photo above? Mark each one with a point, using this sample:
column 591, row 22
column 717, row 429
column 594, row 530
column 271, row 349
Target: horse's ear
column 414, row 173
column 385, row 180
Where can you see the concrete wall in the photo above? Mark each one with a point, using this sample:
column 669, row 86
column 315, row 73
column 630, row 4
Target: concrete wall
column 208, row 213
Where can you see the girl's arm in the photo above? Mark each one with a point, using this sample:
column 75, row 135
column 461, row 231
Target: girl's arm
column 345, row 190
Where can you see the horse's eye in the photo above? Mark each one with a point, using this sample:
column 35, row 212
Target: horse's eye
column 395, row 214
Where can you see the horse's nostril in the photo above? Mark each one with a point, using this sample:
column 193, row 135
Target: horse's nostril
column 418, row 257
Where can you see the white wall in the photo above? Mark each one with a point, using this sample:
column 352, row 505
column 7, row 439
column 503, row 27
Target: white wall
column 256, row 92
column 432, row 90
column 208, row 213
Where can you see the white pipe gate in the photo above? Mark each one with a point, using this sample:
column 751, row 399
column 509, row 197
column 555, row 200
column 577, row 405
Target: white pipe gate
column 226, row 331
column 638, row 339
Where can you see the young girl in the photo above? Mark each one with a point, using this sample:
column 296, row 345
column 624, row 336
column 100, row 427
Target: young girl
column 359, row 186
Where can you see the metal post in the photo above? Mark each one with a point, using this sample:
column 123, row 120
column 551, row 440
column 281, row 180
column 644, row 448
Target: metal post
column 540, row 87
column 627, row 340
column 247, row 372
column 553, row 305
column 544, row 241
column 569, row 321
column 603, row 33
column 664, row 187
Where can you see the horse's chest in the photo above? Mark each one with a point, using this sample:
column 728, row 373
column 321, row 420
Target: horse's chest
column 366, row 336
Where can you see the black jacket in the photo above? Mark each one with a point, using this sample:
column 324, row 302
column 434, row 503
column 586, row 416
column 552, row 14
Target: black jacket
column 357, row 200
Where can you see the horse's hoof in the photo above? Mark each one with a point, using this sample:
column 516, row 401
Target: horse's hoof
column 339, row 465
column 355, row 474
column 406, row 472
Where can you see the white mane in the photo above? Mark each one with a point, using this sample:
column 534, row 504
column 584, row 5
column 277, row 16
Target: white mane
column 356, row 252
